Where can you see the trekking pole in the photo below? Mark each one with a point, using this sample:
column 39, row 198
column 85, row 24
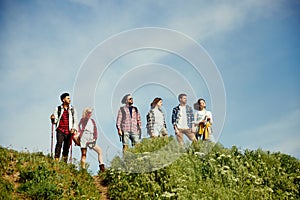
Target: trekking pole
column 71, row 157
column 52, row 133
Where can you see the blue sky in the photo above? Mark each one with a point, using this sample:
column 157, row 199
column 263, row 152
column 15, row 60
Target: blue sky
column 254, row 44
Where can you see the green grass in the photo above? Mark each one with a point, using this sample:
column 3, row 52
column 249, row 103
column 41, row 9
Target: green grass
column 220, row 173
column 156, row 169
column 36, row 176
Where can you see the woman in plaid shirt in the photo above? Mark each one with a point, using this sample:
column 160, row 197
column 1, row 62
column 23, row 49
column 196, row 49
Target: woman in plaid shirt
column 156, row 123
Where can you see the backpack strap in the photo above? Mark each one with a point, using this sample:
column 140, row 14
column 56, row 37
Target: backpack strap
column 58, row 111
column 123, row 114
column 136, row 110
column 95, row 129
column 137, row 114
column 72, row 112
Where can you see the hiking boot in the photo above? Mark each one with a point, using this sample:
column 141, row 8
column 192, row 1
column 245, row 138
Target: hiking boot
column 125, row 147
column 65, row 159
column 83, row 165
column 102, row 168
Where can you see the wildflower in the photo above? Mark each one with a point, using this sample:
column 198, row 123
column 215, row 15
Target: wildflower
column 235, row 179
column 200, row 154
column 258, row 181
column 221, row 156
column 226, row 167
column 167, row 194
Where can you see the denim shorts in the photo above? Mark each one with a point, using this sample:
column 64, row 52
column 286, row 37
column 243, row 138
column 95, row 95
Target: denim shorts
column 134, row 138
column 86, row 138
column 157, row 130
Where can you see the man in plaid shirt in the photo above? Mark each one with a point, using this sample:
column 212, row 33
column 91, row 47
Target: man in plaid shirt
column 182, row 118
column 129, row 122
column 65, row 118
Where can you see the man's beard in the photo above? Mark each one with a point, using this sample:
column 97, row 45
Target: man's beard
column 130, row 103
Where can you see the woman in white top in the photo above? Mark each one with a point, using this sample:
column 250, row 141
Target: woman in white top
column 88, row 136
column 203, row 119
column 156, row 124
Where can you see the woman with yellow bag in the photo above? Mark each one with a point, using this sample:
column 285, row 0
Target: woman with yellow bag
column 203, row 121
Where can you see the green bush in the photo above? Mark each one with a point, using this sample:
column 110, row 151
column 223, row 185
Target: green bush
column 6, row 189
column 203, row 171
column 39, row 183
column 36, row 176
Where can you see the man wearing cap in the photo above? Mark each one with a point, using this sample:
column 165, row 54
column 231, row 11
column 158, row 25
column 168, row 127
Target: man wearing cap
column 128, row 122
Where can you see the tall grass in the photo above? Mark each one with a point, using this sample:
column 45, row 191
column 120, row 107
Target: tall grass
column 199, row 174
column 156, row 169
column 36, row 176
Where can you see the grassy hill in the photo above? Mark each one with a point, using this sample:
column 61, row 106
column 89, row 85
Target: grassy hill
column 36, row 176
column 204, row 171
column 157, row 169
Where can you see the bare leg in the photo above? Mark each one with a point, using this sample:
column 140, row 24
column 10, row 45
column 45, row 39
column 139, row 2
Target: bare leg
column 99, row 152
column 76, row 139
column 179, row 137
column 83, row 157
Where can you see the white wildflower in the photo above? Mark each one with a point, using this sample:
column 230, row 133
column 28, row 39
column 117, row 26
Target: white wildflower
column 167, row 194
column 226, row 167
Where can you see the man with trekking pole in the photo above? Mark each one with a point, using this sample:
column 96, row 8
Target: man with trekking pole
column 66, row 121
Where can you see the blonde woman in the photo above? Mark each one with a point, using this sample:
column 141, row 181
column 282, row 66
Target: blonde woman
column 88, row 136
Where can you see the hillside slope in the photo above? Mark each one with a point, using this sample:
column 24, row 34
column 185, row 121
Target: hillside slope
column 156, row 169
column 36, row 176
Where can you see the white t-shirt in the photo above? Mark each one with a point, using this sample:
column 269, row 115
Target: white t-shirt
column 159, row 118
column 182, row 118
column 89, row 126
column 200, row 115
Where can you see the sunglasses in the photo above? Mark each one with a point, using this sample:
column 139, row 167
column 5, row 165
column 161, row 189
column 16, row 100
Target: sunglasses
column 130, row 99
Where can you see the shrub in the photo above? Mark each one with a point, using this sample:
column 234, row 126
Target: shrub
column 36, row 176
column 203, row 171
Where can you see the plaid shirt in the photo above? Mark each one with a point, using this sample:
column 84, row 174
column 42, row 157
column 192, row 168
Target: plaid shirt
column 64, row 122
column 126, row 123
column 72, row 120
column 151, row 121
column 189, row 115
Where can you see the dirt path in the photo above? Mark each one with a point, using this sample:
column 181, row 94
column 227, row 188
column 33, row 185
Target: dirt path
column 101, row 187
